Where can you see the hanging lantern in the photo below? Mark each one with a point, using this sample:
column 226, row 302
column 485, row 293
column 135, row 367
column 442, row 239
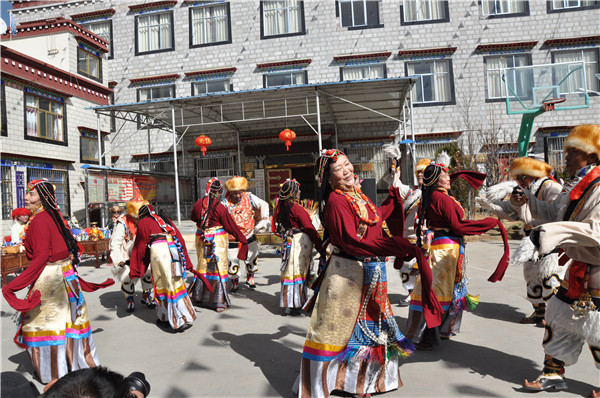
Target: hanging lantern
column 287, row 136
column 203, row 142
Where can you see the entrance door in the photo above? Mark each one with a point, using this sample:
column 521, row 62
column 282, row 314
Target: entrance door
column 306, row 177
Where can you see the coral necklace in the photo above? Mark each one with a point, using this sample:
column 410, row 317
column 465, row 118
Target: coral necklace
column 353, row 202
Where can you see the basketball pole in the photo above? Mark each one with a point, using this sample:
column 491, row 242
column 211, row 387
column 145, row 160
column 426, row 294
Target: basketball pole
column 525, row 131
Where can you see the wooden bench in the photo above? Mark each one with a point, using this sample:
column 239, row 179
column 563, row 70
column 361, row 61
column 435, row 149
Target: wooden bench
column 95, row 248
column 12, row 263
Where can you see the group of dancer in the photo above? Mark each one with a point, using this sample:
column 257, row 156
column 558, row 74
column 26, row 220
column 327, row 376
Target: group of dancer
column 353, row 342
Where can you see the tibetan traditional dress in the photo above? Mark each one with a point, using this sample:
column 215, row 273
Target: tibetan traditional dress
column 212, row 248
column 543, row 275
column 573, row 314
column 353, row 343
column 445, row 248
column 157, row 248
column 296, row 258
column 56, row 331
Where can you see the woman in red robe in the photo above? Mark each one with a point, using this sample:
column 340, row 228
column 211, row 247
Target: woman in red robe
column 299, row 237
column 159, row 244
column 54, row 325
column 445, row 250
column 214, row 223
column 353, row 343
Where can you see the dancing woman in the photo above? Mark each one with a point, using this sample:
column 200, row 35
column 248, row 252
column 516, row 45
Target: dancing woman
column 54, row 325
column 353, row 343
column 214, row 223
column 159, row 244
column 445, row 249
column 299, row 237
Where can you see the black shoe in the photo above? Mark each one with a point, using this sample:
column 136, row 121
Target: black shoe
column 147, row 301
column 546, row 382
column 424, row 346
column 185, row 326
column 163, row 323
column 296, row 311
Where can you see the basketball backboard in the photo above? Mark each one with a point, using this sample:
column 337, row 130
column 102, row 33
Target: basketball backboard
column 529, row 87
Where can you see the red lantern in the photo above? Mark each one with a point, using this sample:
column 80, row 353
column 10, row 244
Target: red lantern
column 203, row 142
column 287, row 136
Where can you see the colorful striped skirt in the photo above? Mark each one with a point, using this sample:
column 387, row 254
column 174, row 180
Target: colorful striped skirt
column 57, row 333
column 445, row 255
column 213, row 264
column 296, row 259
column 172, row 301
column 353, row 343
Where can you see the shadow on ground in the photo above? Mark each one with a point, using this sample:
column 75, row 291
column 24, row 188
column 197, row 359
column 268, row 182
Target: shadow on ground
column 499, row 311
column 279, row 363
column 488, row 362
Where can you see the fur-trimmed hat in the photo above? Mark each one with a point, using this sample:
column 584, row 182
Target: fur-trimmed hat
column 422, row 164
column 530, row 167
column 133, row 207
column 236, row 183
column 585, row 137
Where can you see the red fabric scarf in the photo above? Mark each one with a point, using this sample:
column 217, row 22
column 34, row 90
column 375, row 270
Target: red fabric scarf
column 585, row 181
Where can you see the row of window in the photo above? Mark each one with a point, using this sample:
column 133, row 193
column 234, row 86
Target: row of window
column 210, row 23
column 435, row 85
column 45, row 121
column 58, row 178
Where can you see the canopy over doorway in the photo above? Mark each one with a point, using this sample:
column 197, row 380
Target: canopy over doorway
column 252, row 113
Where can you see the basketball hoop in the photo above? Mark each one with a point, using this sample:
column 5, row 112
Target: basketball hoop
column 548, row 105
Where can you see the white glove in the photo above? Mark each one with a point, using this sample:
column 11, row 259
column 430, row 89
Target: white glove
column 262, row 226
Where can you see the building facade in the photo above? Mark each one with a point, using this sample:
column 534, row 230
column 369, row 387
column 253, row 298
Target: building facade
column 47, row 132
column 458, row 49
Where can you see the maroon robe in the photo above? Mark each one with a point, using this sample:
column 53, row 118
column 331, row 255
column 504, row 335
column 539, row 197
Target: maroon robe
column 140, row 255
column 342, row 223
column 446, row 213
column 300, row 219
column 44, row 243
column 220, row 217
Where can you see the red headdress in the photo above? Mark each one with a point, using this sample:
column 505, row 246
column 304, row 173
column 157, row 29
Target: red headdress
column 19, row 211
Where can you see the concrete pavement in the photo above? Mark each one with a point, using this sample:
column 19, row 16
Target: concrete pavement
column 252, row 350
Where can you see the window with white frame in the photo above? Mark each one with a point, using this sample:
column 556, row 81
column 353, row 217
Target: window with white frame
column 211, row 86
column 156, row 92
column 44, row 119
column 282, row 17
column 287, row 78
column 154, row 32
column 6, row 192
column 152, row 93
column 575, row 82
column 496, row 68
column 424, row 10
column 89, row 64
column 559, row 5
column 363, row 72
column 210, row 24
column 102, row 29
column 60, row 180
column 503, row 7
column 358, row 13
column 435, row 83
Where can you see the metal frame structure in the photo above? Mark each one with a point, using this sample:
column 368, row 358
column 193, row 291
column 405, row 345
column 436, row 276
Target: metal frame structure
column 252, row 112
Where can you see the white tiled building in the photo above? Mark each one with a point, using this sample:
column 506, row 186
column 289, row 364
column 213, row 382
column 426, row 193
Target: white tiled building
column 458, row 48
column 47, row 132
